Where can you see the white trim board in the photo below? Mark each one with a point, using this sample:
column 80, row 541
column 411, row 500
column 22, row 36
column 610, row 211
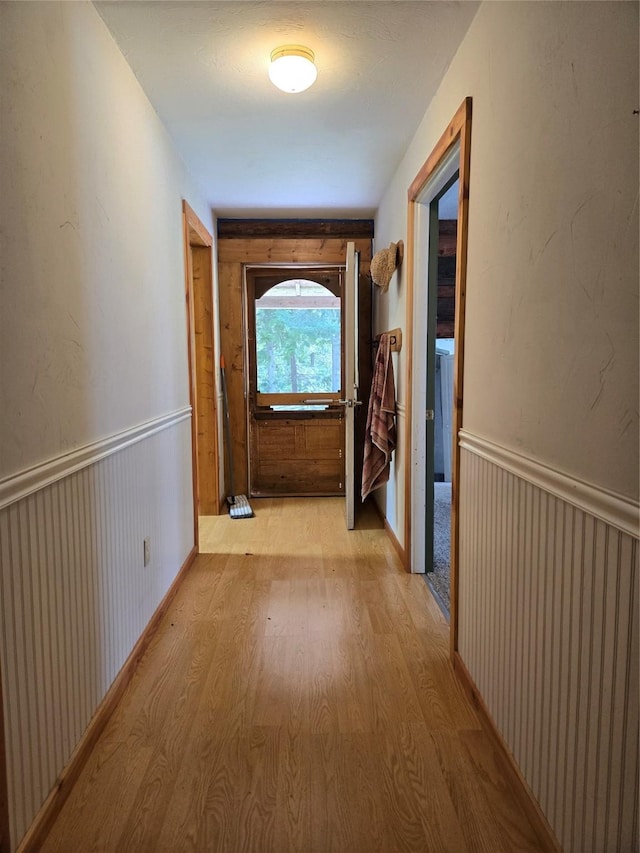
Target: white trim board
column 617, row 510
column 17, row 486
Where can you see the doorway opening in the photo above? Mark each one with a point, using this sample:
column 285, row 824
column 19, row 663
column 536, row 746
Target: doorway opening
column 302, row 392
column 435, row 315
column 443, row 243
column 294, row 341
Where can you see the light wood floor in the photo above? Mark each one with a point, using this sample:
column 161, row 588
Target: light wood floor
column 297, row 697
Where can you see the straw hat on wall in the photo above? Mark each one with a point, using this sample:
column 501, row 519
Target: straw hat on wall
column 384, row 264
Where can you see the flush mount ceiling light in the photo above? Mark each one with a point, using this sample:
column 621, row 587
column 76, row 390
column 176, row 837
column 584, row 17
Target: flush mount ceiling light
column 292, row 68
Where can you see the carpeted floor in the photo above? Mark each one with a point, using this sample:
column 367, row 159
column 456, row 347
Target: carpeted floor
column 439, row 578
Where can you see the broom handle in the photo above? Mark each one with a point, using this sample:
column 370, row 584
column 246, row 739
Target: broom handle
column 227, row 427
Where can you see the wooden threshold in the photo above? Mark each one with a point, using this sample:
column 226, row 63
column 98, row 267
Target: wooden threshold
column 44, row 820
column 519, row 786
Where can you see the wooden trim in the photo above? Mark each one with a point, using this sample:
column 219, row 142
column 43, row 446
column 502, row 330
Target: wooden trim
column 395, row 344
column 458, row 129
column 50, row 809
column 5, row 835
column 464, row 119
column 198, row 253
column 246, row 229
column 264, row 278
column 517, row 782
column 191, row 361
column 206, row 385
column 286, row 399
column 442, row 146
column 198, row 235
column 397, row 547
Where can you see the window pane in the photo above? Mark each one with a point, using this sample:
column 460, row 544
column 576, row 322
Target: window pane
column 298, row 339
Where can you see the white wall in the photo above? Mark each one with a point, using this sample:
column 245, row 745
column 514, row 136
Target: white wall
column 548, row 605
column 92, row 327
column 551, row 348
column 95, row 445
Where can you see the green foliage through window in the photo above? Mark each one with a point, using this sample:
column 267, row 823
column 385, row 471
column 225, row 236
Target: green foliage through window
column 298, row 349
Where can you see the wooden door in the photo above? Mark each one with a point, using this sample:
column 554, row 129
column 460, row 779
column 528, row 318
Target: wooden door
column 296, row 380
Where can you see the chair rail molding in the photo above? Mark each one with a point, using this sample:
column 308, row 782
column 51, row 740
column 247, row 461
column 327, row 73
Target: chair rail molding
column 23, row 483
column 617, row 510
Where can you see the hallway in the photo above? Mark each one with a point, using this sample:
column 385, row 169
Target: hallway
column 297, row 696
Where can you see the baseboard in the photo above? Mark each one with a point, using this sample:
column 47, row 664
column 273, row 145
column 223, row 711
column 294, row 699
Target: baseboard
column 522, row 792
column 397, row 547
column 50, row 809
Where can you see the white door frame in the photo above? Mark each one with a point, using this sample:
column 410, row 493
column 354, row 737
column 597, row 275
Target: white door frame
column 434, row 186
column 458, row 132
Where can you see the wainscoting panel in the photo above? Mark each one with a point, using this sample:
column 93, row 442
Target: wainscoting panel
column 548, row 629
column 75, row 594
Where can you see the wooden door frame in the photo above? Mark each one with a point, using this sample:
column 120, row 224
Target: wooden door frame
column 200, row 352
column 278, row 242
column 268, row 275
column 458, row 131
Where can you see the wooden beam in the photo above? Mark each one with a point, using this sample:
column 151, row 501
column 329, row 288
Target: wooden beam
column 247, row 229
column 445, row 329
column 446, row 291
column 267, row 250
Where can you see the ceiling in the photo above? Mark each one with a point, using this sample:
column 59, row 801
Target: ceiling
column 256, row 151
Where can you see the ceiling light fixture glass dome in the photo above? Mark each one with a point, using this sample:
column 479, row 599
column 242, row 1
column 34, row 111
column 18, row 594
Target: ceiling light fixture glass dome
column 292, row 68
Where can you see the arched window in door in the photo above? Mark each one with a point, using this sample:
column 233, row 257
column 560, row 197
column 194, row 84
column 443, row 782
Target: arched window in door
column 298, row 339
column 298, row 333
